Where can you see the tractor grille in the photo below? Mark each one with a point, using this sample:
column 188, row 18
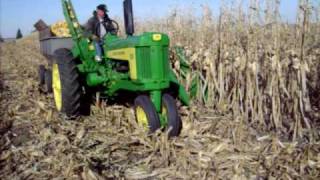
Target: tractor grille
column 145, row 63
column 166, row 63
column 155, row 67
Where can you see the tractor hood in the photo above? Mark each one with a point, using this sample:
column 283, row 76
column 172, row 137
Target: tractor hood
column 146, row 39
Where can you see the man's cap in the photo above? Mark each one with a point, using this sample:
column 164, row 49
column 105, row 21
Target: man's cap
column 102, row 7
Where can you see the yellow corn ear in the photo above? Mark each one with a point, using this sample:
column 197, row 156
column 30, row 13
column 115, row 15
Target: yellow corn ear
column 60, row 29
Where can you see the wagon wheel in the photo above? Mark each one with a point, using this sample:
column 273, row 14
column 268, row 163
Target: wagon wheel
column 41, row 74
column 45, row 79
column 48, row 80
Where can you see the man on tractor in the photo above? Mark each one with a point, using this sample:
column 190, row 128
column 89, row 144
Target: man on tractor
column 98, row 26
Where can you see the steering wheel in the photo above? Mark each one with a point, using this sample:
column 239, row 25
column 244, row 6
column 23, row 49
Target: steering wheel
column 115, row 25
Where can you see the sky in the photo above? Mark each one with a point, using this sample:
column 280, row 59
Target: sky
column 23, row 14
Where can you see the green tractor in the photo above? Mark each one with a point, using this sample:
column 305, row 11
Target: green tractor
column 148, row 77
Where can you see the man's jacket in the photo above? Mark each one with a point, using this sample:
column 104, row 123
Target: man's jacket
column 93, row 27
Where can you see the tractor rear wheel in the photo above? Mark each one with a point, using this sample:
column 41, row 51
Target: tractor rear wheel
column 146, row 114
column 65, row 83
column 171, row 114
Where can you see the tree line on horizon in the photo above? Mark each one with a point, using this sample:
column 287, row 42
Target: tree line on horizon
column 19, row 35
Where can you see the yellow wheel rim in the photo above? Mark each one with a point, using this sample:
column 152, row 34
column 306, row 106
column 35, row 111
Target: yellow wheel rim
column 142, row 118
column 164, row 111
column 56, row 86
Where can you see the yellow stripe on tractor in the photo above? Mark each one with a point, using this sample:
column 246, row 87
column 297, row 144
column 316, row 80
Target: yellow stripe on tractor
column 126, row 54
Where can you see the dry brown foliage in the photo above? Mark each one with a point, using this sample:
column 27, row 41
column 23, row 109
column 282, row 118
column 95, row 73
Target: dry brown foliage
column 261, row 120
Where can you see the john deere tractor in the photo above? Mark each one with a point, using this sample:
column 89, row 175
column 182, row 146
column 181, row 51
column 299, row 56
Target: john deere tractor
column 147, row 75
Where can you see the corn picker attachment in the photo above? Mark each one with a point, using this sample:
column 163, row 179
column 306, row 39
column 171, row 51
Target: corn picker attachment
column 137, row 65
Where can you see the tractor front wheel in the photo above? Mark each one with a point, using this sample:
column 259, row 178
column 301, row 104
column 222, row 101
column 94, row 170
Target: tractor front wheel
column 146, row 114
column 65, row 84
column 171, row 114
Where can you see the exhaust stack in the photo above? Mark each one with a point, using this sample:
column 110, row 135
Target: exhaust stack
column 128, row 17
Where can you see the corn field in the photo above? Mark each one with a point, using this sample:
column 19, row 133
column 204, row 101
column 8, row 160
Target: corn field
column 255, row 114
column 253, row 64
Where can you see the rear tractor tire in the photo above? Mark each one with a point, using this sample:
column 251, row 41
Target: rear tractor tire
column 65, row 84
column 146, row 114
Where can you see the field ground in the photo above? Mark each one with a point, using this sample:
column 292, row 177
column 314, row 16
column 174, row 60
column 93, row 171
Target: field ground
column 36, row 143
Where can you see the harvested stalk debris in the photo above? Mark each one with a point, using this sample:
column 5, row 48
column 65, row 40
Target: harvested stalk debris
column 255, row 114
